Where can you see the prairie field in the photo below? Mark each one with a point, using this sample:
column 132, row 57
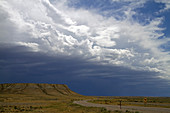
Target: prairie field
column 57, row 98
column 163, row 102
column 13, row 103
column 41, row 98
column 41, row 104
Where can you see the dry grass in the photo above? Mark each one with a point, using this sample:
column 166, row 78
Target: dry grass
column 11, row 103
column 53, row 98
column 163, row 102
column 41, row 98
column 23, row 103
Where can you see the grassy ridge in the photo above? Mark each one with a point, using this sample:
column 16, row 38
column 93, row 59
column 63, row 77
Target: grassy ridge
column 32, row 88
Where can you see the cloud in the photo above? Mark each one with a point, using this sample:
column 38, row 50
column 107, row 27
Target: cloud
column 83, row 76
column 166, row 2
column 33, row 46
column 55, row 28
column 79, row 30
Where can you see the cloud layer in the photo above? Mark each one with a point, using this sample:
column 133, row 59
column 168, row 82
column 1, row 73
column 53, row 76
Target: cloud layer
column 60, row 28
column 17, row 65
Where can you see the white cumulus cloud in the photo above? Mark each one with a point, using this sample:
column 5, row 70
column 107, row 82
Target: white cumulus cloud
column 55, row 28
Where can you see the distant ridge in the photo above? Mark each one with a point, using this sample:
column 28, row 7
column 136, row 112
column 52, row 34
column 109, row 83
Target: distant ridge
column 34, row 88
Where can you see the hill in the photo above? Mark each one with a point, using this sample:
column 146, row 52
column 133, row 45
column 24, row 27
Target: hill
column 33, row 88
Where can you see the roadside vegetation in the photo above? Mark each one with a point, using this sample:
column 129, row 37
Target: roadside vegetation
column 163, row 102
column 22, row 103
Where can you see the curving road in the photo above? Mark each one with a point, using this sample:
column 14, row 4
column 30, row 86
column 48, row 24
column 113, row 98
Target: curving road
column 124, row 108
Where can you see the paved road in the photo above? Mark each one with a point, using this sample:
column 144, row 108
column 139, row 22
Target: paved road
column 124, row 108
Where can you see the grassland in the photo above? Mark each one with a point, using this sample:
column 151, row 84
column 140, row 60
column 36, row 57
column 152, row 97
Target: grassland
column 42, row 98
column 16, row 103
column 55, row 98
column 163, row 102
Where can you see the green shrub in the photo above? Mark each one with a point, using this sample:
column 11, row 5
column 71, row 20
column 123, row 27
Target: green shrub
column 103, row 110
column 15, row 107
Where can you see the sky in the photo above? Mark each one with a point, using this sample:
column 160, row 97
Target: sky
column 96, row 47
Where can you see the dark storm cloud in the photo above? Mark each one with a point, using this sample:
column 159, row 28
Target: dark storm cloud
column 19, row 58
column 98, row 35
column 18, row 64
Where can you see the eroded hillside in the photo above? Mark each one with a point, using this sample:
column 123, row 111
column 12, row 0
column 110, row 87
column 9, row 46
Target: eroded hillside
column 33, row 88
